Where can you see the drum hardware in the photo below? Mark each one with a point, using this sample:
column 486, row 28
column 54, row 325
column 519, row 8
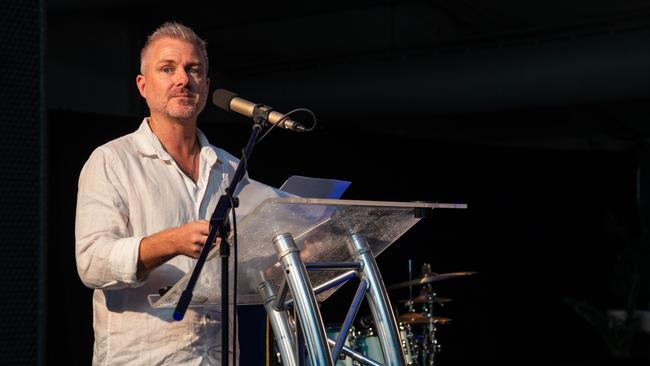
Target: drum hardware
column 409, row 344
column 418, row 327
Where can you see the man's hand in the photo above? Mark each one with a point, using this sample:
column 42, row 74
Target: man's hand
column 185, row 240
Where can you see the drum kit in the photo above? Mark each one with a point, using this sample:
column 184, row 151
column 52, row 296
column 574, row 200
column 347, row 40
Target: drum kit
column 418, row 324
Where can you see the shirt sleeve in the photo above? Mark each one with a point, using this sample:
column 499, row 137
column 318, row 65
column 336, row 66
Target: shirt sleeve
column 106, row 252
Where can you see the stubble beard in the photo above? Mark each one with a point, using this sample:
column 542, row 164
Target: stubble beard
column 182, row 109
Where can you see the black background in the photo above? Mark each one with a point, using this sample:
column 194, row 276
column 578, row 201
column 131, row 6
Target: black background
column 533, row 114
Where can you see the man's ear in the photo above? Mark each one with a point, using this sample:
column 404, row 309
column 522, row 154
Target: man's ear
column 140, row 82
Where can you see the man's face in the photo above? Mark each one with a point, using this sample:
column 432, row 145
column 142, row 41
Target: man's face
column 175, row 82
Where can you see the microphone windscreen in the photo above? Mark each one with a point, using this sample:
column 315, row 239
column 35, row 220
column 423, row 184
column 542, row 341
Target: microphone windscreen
column 222, row 97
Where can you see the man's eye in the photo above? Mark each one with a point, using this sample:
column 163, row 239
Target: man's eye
column 167, row 69
column 195, row 71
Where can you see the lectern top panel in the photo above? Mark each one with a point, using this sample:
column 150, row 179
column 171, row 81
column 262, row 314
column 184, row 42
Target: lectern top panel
column 321, row 229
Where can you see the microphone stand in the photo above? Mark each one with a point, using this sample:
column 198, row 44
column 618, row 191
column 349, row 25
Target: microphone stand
column 218, row 225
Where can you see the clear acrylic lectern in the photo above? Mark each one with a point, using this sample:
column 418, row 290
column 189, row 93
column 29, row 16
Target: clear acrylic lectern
column 294, row 252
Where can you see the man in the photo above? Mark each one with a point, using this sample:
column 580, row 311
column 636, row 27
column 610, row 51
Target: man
column 142, row 210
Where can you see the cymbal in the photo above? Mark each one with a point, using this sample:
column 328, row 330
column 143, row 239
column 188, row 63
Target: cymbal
column 429, row 278
column 424, row 298
column 417, row 318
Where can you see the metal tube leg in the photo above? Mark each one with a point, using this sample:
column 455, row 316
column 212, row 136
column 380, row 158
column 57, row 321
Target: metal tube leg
column 300, row 341
column 281, row 326
column 304, row 300
column 378, row 302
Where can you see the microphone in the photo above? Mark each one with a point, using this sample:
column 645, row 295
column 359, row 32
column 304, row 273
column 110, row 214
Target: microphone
column 230, row 101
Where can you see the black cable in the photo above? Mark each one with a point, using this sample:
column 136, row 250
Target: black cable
column 233, row 204
column 281, row 120
column 234, row 296
column 234, row 224
column 234, row 240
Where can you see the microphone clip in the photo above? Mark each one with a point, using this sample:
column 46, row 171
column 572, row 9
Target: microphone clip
column 261, row 114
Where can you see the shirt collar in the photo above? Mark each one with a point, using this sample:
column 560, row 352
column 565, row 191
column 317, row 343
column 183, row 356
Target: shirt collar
column 207, row 150
column 148, row 144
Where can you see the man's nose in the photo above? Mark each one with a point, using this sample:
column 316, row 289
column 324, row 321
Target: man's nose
column 182, row 77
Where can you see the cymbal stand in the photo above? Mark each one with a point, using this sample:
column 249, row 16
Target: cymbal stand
column 430, row 344
column 410, row 303
column 409, row 342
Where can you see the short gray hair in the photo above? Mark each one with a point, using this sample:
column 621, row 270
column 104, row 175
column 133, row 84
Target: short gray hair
column 178, row 31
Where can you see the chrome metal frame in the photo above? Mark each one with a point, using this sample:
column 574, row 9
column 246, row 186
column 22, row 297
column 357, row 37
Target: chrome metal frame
column 380, row 306
column 309, row 325
column 281, row 325
column 305, row 303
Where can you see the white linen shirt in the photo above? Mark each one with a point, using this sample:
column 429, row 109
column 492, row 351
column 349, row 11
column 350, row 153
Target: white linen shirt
column 128, row 189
